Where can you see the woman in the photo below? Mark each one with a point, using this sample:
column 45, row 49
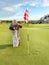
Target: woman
column 14, row 27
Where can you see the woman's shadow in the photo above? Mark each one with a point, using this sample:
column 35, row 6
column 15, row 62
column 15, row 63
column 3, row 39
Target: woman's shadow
column 3, row 46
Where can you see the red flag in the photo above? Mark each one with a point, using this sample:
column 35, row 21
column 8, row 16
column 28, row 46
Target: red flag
column 26, row 16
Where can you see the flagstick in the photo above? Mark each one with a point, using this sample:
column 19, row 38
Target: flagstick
column 28, row 41
column 26, row 20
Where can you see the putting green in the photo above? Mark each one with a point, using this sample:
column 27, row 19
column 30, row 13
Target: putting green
column 36, row 35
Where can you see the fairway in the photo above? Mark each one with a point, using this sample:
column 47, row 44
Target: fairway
column 36, row 35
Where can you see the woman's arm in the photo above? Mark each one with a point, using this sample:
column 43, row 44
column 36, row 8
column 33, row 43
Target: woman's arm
column 20, row 26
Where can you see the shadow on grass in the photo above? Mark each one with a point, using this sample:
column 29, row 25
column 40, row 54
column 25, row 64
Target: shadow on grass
column 5, row 46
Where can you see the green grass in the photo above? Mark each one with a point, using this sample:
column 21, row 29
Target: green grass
column 38, row 45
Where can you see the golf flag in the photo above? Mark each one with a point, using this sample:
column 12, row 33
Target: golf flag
column 26, row 16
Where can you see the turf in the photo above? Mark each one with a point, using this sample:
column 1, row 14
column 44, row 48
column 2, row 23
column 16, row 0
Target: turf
column 36, row 35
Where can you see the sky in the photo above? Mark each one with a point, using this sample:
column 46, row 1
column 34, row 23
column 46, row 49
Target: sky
column 14, row 9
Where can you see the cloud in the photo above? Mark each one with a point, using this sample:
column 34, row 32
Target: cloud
column 12, row 8
column 15, row 16
column 45, row 2
column 8, row 9
column 37, row 17
column 17, row 5
column 30, row 2
column 40, row 2
column 26, row 3
column 33, row 4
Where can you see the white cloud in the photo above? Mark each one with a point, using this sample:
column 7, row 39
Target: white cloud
column 17, row 5
column 45, row 3
column 41, row 2
column 8, row 9
column 15, row 16
column 33, row 4
column 20, row 4
column 35, row 18
column 12, row 8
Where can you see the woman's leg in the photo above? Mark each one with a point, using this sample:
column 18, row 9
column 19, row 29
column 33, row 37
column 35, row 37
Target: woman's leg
column 18, row 36
column 15, row 39
column 14, row 42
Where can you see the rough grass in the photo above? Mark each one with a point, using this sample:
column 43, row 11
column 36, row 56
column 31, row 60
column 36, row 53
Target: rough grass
column 36, row 35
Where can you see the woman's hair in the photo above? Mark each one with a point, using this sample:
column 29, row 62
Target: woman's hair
column 14, row 22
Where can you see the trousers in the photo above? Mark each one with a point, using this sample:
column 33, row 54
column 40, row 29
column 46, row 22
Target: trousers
column 16, row 38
